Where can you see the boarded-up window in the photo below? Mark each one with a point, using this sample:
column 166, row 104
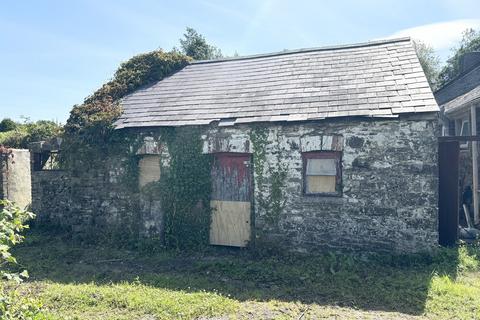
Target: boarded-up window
column 322, row 173
column 149, row 169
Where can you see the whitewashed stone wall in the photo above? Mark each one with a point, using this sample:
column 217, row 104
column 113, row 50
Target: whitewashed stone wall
column 389, row 186
column 389, row 177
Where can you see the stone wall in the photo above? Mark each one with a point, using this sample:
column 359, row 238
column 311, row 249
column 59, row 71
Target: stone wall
column 15, row 177
column 388, row 200
column 98, row 197
column 390, row 184
column 51, row 197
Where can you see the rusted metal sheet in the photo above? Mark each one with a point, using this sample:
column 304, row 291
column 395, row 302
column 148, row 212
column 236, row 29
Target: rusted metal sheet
column 448, row 160
column 231, row 200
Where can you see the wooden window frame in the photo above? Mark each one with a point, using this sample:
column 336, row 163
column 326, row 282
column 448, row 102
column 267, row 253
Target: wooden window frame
column 335, row 155
column 463, row 123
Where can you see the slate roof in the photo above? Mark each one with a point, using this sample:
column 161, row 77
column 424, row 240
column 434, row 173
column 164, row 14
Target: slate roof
column 463, row 100
column 373, row 79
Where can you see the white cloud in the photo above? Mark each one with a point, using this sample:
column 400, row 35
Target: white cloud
column 441, row 36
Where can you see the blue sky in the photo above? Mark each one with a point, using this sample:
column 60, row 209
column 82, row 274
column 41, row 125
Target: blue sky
column 55, row 53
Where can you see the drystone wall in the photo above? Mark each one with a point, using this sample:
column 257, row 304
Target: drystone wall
column 389, row 185
column 100, row 197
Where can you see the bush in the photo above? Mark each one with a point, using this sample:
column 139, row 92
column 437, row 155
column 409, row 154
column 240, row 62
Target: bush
column 7, row 125
column 12, row 224
column 25, row 133
column 89, row 131
column 15, row 307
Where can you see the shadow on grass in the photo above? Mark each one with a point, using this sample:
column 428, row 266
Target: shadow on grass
column 367, row 282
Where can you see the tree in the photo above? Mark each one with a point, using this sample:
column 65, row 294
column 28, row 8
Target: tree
column 470, row 42
column 429, row 61
column 195, row 46
column 7, row 125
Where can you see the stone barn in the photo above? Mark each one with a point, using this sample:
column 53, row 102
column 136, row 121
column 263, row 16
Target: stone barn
column 332, row 147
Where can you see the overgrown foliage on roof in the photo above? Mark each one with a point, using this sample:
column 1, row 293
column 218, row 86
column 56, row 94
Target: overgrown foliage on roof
column 99, row 111
column 91, row 124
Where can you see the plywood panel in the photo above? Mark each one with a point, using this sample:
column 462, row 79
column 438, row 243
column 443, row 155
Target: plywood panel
column 149, row 169
column 320, row 184
column 230, row 223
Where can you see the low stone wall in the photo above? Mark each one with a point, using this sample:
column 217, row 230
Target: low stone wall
column 15, row 177
column 52, row 198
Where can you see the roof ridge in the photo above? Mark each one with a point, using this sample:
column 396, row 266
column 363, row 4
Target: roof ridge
column 323, row 48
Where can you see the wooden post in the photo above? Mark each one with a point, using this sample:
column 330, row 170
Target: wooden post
column 473, row 115
column 448, row 155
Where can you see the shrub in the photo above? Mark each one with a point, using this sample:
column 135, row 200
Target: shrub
column 7, row 125
column 89, row 130
column 12, row 223
column 25, row 133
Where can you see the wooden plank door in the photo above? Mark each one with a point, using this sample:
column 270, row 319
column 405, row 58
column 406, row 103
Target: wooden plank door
column 231, row 200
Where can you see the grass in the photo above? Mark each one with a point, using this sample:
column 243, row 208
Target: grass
column 71, row 281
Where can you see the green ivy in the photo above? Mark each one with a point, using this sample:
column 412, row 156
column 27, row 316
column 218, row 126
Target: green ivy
column 92, row 147
column 89, row 131
column 271, row 192
column 185, row 189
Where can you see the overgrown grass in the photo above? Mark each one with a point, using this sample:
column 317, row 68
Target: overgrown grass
column 72, row 281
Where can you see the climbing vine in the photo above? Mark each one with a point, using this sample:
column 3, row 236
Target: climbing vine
column 90, row 130
column 271, row 192
column 102, row 160
column 185, row 189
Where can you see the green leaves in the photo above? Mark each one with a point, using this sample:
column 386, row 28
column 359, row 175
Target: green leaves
column 89, row 132
column 470, row 42
column 186, row 189
column 12, row 224
column 194, row 45
column 429, row 61
column 24, row 133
